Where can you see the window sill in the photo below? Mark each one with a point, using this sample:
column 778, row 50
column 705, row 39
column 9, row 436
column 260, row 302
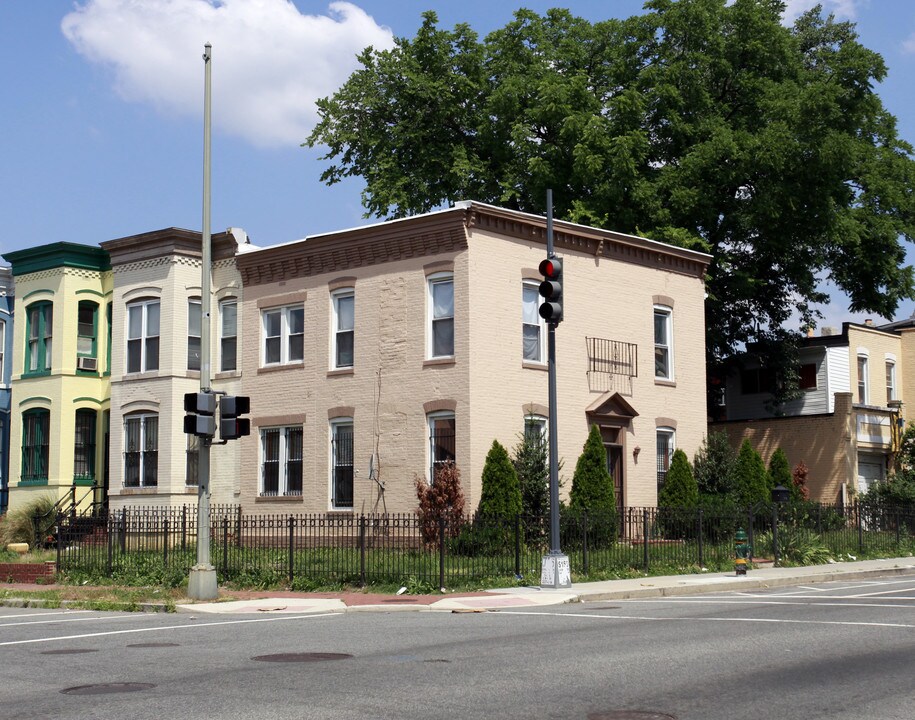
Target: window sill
column 438, row 361
column 341, row 371
column 280, row 368
column 534, row 365
column 139, row 491
column 665, row 383
column 279, row 499
column 340, row 510
column 83, row 482
column 35, row 373
column 33, row 483
column 87, row 374
column 193, row 374
column 228, row 375
column 148, row 375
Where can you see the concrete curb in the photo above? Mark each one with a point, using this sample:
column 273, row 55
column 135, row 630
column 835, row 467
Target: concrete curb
column 83, row 605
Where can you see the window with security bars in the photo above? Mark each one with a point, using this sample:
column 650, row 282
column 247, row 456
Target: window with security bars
column 84, row 446
column 342, row 470
column 191, row 477
column 665, row 453
column 441, row 443
column 141, row 451
column 35, row 446
column 281, row 466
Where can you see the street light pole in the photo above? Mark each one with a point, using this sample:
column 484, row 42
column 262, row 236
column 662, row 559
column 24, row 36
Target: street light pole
column 202, row 581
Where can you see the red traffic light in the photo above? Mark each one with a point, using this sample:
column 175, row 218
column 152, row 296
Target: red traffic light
column 550, row 268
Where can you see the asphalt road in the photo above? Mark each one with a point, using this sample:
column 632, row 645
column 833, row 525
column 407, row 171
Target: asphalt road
column 834, row 650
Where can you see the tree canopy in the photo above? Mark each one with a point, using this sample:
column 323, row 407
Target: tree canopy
column 701, row 123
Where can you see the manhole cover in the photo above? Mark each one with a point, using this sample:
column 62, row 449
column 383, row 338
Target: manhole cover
column 69, row 651
column 302, row 657
column 107, row 688
column 153, row 645
column 630, row 715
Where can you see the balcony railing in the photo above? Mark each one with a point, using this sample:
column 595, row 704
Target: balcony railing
column 612, row 357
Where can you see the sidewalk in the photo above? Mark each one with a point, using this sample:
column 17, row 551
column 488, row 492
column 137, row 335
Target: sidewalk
column 533, row 597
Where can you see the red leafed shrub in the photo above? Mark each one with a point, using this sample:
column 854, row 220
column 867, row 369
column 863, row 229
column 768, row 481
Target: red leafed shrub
column 799, row 478
column 444, row 498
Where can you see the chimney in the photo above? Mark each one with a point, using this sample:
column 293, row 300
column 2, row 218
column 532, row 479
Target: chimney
column 869, row 322
column 827, row 331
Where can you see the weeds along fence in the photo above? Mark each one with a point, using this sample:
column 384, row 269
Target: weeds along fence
column 149, row 544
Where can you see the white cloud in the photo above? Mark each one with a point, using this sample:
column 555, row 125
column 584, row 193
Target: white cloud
column 269, row 61
column 842, row 9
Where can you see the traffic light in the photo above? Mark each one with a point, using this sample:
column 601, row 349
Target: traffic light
column 551, row 290
column 232, row 427
column 201, row 419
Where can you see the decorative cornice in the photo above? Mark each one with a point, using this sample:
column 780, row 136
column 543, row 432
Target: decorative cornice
column 168, row 243
column 57, row 255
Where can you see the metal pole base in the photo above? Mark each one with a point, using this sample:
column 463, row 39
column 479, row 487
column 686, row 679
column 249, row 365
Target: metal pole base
column 555, row 572
column 201, row 584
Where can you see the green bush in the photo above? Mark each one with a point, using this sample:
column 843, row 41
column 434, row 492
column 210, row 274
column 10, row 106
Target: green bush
column 531, row 463
column 780, row 471
column 752, row 482
column 679, row 489
column 592, row 487
column 715, row 465
column 500, row 494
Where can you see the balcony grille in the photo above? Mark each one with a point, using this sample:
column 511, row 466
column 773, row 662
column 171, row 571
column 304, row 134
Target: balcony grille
column 612, row 357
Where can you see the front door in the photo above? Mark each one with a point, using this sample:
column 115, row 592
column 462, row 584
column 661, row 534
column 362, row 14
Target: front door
column 871, row 470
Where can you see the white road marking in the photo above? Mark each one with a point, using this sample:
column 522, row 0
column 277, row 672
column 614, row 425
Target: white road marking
column 45, row 614
column 737, row 601
column 60, row 621
column 883, row 592
column 647, row 618
column 274, row 618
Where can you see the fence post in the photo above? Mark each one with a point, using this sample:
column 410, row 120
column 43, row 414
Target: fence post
column 751, row 519
column 59, row 520
column 441, row 552
column 165, row 542
column 819, row 518
column 517, row 545
column 184, row 527
column 584, row 541
column 291, row 522
column 645, row 538
column 775, row 533
column 860, row 527
column 699, row 536
column 122, row 536
column 897, row 528
column 108, row 529
column 238, row 527
column 225, row 545
column 362, row 550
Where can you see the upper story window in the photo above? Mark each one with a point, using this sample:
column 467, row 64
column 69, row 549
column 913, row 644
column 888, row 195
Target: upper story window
column 441, row 441
column 890, row 381
column 194, row 322
column 2, row 349
column 36, row 425
column 284, row 335
column 87, row 336
column 535, row 429
column 441, row 315
column 141, row 450
column 108, row 349
column 663, row 343
column 532, row 325
column 862, row 380
column 344, row 307
column 143, row 336
column 807, row 376
column 666, row 444
column 228, row 335
column 39, row 319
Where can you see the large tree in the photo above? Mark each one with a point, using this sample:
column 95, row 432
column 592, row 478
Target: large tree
column 701, row 123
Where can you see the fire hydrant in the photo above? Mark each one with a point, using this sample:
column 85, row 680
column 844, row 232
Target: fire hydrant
column 741, row 552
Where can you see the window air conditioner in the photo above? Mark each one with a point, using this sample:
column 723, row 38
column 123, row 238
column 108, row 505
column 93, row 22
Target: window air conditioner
column 87, row 363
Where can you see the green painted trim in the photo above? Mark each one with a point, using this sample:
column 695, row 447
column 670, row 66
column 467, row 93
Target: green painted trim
column 36, row 373
column 88, row 399
column 83, row 481
column 35, row 398
column 37, row 292
column 59, row 254
column 33, row 483
column 87, row 291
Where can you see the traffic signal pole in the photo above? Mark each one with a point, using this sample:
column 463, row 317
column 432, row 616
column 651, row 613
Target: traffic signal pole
column 554, row 570
column 202, row 580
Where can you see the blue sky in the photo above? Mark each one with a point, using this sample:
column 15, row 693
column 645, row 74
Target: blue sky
column 102, row 133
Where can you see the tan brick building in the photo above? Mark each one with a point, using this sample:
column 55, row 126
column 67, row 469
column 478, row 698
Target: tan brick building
column 374, row 353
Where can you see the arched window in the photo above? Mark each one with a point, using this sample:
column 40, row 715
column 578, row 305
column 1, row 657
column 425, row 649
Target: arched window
column 36, row 425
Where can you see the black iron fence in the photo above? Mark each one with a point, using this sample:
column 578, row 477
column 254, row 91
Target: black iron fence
column 320, row 549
